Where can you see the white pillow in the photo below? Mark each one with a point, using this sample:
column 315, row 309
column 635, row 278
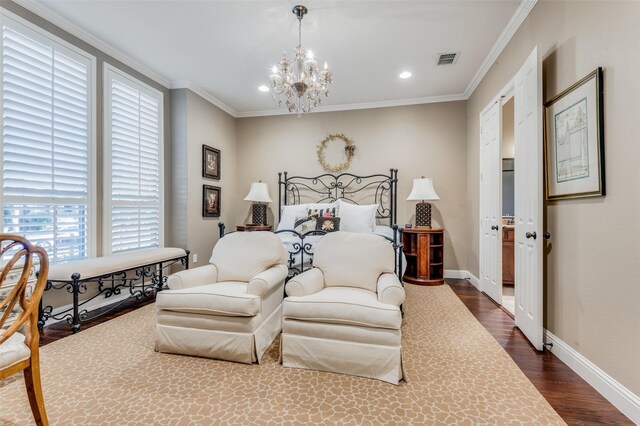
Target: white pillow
column 289, row 214
column 355, row 218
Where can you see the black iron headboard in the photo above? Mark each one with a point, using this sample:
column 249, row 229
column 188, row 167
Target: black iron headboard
column 372, row 189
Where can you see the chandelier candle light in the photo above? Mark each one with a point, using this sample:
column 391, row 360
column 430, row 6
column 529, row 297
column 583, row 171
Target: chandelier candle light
column 423, row 190
column 299, row 82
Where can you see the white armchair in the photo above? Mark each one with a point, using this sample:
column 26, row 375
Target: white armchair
column 230, row 309
column 344, row 314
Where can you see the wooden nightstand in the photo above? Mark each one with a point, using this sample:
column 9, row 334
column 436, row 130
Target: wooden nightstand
column 424, row 250
column 250, row 227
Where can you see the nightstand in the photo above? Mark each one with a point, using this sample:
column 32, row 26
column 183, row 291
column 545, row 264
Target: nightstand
column 250, row 227
column 424, row 251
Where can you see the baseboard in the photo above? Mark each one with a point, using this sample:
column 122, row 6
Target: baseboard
column 621, row 397
column 461, row 275
column 455, row 274
column 473, row 280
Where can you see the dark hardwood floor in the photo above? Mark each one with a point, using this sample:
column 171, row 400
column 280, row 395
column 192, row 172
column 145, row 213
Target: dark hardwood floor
column 574, row 400
column 59, row 330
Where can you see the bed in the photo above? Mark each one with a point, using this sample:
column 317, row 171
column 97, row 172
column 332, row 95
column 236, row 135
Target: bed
column 353, row 196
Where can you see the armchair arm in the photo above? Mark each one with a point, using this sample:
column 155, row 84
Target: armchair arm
column 390, row 290
column 207, row 274
column 309, row 282
column 262, row 283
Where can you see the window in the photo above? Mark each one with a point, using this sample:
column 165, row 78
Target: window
column 47, row 141
column 133, row 170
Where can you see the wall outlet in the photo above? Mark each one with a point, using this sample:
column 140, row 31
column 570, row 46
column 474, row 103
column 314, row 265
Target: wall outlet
column 195, row 258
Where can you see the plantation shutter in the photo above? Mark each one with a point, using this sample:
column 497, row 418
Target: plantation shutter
column 135, row 122
column 46, row 104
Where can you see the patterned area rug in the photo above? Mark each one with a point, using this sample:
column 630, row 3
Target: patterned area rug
column 110, row 375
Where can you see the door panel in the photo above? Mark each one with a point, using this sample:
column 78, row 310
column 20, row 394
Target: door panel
column 490, row 203
column 528, row 179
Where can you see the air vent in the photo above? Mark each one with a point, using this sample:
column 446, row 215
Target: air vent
column 447, row 58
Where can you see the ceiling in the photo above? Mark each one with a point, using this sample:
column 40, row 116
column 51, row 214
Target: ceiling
column 225, row 49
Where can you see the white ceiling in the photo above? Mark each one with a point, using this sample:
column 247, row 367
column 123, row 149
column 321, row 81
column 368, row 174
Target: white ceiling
column 226, row 48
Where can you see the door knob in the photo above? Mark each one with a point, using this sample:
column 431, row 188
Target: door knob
column 494, row 227
column 546, row 235
column 531, row 235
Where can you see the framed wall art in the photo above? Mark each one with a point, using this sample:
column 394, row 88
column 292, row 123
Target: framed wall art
column 210, row 162
column 210, row 201
column 574, row 141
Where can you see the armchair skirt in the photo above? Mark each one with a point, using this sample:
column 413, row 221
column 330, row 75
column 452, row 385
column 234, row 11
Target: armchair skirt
column 215, row 334
column 343, row 330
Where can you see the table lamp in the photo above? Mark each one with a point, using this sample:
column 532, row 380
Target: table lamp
column 259, row 194
column 423, row 190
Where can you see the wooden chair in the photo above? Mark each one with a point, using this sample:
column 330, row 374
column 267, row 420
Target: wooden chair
column 20, row 352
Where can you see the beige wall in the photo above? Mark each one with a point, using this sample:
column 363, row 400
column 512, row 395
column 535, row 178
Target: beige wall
column 592, row 290
column 427, row 140
column 196, row 122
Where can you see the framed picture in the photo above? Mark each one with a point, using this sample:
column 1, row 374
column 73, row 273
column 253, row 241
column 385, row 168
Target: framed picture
column 210, row 201
column 210, row 162
column 574, row 141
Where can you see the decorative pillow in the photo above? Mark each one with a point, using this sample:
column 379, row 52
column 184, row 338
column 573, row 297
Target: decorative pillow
column 304, row 224
column 326, row 212
column 328, row 224
column 289, row 215
column 357, row 218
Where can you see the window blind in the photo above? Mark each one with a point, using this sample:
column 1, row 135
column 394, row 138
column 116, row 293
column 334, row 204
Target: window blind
column 134, row 129
column 46, row 104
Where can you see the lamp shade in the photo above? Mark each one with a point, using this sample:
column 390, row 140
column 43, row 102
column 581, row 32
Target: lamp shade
column 259, row 192
column 423, row 190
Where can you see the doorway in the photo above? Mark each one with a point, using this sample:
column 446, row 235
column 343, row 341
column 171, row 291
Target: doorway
column 527, row 166
column 507, row 153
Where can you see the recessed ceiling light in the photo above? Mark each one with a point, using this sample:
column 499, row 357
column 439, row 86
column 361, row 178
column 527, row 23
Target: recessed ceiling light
column 263, row 88
column 405, row 74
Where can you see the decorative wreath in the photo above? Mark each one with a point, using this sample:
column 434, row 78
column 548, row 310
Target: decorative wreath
column 349, row 150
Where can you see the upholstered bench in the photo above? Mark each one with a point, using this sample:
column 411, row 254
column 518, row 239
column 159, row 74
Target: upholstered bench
column 109, row 273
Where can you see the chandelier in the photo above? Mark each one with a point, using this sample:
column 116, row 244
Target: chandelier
column 299, row 83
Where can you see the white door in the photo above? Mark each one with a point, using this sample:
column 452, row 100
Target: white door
column 528, row 199
column 490, row 205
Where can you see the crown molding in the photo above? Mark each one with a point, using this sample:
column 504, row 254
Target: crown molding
column 206, row 95
column 363, row 105
column 75, row 30
column 514, row 23
column 521, row 13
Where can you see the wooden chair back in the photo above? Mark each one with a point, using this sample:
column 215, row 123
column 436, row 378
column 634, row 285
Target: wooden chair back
column 17, row 252
column 21, row 253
